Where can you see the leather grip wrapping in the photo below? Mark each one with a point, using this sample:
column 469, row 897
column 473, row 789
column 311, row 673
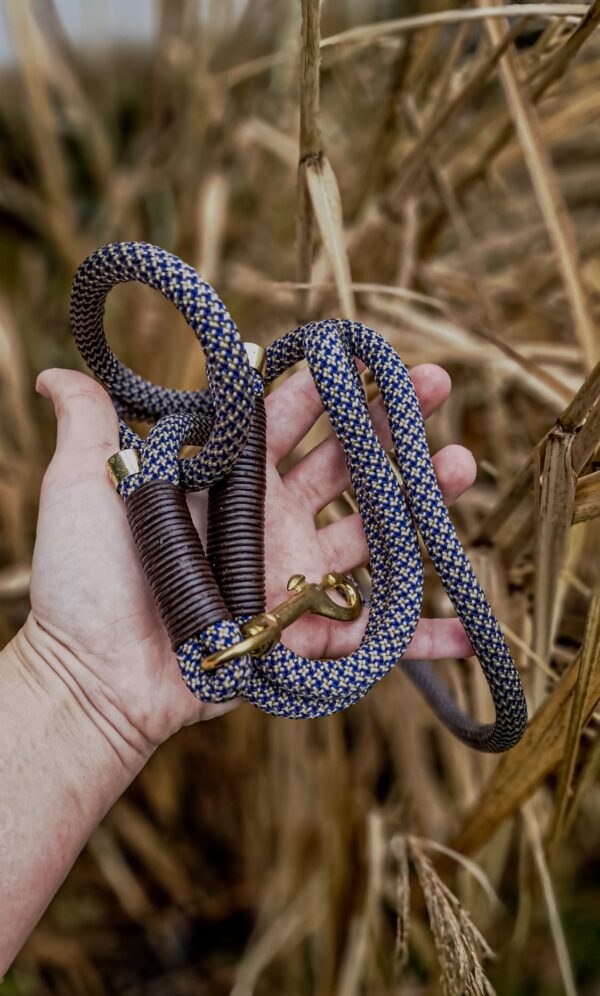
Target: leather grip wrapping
column 174, row 560
column 236, row 523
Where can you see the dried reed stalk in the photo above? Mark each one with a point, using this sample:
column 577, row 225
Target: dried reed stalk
column 318, row 194
column 589, row 663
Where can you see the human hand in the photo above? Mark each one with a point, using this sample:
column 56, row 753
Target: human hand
column 89, row 686
column 92, row 611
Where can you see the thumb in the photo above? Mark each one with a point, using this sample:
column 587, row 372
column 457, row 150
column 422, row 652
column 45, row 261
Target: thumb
column 87, row 425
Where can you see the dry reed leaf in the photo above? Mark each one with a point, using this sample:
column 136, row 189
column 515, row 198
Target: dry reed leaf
column 577, row 583
column 327, row 206
column 520, row 772
column 213, row 204
column 549, row 196
column 580, row 417
column 559, row 62
column 562, row 952
column 119, row 876
column 586, row 440
column 555, row 515
column 462, row 343
column 136, row 831
column 583, row 784
column 231, row 78
column 408, row 260
column 272, row 139
column 354, row 965
column 318, row 194
column 367, row 33
column 19, row 438
column 302, row 916
column 528, row 651
column 590, row 662
column 384, row 289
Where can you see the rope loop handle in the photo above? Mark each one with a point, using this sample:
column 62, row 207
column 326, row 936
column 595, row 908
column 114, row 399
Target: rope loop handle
column 221, row 421
column 223, row 412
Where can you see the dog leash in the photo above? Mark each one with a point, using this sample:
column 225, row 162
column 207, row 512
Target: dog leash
column 212, row 602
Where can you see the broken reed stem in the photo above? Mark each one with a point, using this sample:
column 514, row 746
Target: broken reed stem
column 319, row 201
column 311, row 142
column 581, row 417
column 587, row 397
column 590, row 662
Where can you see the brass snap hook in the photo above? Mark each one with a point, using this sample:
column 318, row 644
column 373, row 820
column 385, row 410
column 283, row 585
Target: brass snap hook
column 263, row 631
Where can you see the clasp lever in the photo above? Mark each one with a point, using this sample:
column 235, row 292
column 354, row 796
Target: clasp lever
column 263, row 631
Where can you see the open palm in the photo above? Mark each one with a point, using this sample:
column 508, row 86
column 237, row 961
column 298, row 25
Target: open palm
column 91, row 604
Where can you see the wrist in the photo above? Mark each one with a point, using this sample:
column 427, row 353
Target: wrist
column 82, row 712
column 63, row 763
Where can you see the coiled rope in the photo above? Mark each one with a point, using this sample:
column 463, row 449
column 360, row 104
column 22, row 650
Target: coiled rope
column 221, row 421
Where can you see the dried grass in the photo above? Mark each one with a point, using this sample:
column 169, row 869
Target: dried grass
column 446, row 194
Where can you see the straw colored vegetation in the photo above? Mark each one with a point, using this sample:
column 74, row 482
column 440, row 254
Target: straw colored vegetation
column 438, row 177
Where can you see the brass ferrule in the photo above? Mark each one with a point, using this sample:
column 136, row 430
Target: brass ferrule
column 123, row 464
column 257, row 356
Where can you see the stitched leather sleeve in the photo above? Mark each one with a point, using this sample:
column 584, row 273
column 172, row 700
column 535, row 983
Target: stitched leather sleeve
column 174, row 560
column 236, row 533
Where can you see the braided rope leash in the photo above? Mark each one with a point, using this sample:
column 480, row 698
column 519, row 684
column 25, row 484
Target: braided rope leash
column 204, row 617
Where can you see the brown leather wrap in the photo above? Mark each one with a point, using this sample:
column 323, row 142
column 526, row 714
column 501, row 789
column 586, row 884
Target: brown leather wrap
column 236, row 530
column 174, row 560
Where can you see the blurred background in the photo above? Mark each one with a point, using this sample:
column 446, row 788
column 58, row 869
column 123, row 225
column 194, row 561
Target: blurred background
column 450, row 199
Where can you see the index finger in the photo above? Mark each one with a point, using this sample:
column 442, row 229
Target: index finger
column 294, row 406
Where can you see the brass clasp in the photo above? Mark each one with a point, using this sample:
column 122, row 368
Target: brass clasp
column 263, row 632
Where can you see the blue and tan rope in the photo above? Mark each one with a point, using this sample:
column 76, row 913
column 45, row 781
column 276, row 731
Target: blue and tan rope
column 282, row 682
